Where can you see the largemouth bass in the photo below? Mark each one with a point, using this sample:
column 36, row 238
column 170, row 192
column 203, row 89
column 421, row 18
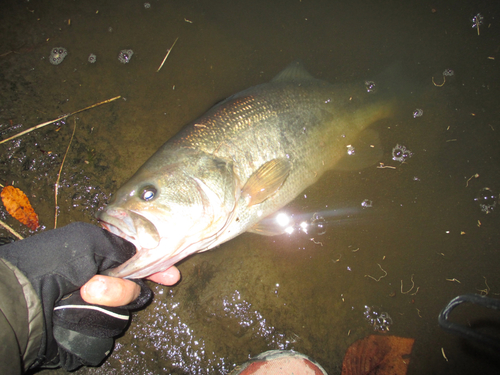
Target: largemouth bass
column 243, row 160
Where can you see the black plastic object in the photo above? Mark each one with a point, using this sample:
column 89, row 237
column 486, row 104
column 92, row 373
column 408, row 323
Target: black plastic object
column 465, row 331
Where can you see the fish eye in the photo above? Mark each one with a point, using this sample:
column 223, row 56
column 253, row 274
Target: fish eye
column 148, row 193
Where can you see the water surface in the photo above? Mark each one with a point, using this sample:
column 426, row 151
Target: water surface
column 301, row 292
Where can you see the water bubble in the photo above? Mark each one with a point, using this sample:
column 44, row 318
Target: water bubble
column 379, row 320
column 370, row 86
column 247, row 320
column 401, row 153
column 487, row 200
column 60, row 123
column 418, row 112
column 448, row 73
column 477, row 20
column 57, row 55
column 316, row 226
column 125, row 55
column 367, row 203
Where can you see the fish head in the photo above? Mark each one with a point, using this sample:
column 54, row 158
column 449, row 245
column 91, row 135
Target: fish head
column 168, row 213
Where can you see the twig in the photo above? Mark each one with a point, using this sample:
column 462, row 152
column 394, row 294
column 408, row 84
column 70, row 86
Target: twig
column 474, row 176
column 59, row 175
column 317, row 242
column 412, row 286
column 57, row 119
column 381, row 277
column 383, row 166
column 168, row 53
column 442, row 84
column 11, row 230
column 444, row 355
column 485, row 292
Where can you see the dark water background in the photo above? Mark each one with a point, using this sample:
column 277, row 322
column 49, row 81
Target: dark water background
column 258, row 293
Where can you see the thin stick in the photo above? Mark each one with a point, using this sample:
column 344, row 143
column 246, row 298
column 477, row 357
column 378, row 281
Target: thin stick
column 168, row 53
column 412, row 286
column 382, row 166
column 442, row 84
column 381, row 277
column 59, row 175
column 444, row 355
column 57, row 119
column 11, row 230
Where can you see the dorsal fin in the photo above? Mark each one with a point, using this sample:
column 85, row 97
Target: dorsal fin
column 293, row 73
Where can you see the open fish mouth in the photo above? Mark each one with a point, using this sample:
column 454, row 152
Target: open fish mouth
column 131, row 226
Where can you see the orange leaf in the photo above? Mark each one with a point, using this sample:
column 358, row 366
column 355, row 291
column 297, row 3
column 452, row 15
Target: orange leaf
column 18, row 205
column 378, row 355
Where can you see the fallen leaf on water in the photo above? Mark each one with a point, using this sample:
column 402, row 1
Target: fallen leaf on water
column 18, row 205
column 378, row 355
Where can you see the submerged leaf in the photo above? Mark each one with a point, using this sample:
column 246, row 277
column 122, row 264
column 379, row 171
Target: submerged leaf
column 18, row 205
column 378, row 355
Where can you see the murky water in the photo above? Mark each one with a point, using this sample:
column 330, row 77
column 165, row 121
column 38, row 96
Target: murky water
column 425, row 239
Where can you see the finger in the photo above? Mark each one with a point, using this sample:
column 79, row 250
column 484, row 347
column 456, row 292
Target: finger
column 168, row 277
column 109, row 291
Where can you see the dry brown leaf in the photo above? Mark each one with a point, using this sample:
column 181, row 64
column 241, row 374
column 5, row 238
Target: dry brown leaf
column 18, row 205
column 378, row 355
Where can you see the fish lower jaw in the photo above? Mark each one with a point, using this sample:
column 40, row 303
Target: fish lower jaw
column 118, row 232
column 135, row 268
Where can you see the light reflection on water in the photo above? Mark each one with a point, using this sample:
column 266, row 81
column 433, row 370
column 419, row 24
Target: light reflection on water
column 163, row 337
column 237, row 308
column 167, row 335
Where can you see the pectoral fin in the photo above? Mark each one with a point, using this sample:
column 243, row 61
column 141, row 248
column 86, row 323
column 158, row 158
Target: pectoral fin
column 266, row 181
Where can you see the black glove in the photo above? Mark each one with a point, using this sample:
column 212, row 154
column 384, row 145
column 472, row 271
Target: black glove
column 58, row 263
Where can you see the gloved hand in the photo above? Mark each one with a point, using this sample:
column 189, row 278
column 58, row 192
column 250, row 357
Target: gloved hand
column 58, row 263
